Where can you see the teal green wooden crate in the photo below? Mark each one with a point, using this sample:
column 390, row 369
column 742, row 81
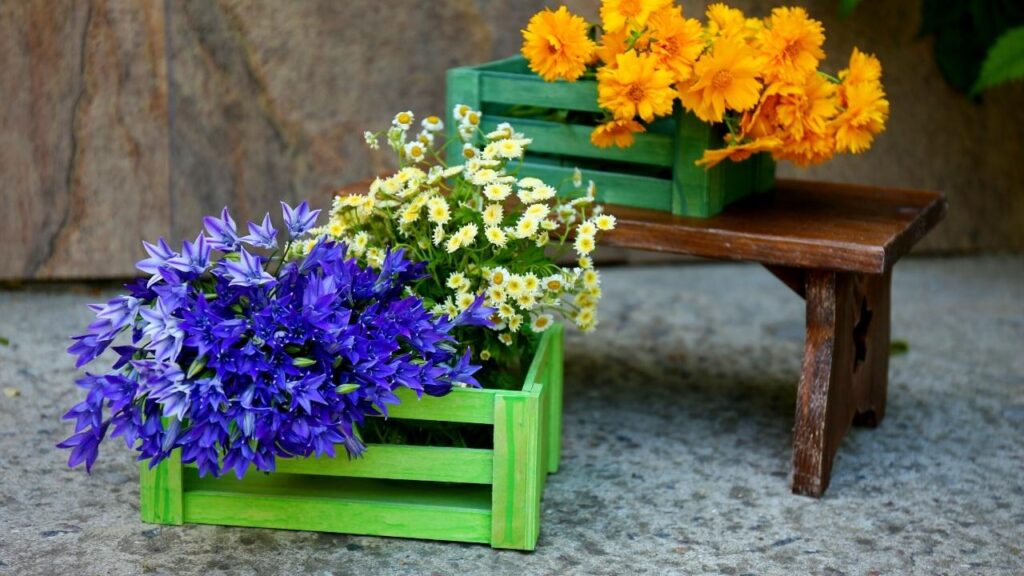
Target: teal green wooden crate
column 487, row 496
column 657, row 172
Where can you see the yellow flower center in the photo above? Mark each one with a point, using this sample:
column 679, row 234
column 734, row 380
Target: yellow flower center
column 636, row 93
column 404, row 118
column 721, row 80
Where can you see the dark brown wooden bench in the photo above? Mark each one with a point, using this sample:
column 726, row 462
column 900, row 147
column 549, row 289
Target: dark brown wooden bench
column 834, row 245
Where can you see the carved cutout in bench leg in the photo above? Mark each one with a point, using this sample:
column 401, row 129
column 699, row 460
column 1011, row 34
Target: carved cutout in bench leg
column 871, row 336
column 844, row 374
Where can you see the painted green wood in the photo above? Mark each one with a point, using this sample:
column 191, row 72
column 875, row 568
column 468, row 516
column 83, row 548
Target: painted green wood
column 515, row 496
column 160, row 491
column 612, row 187
column 398, row 490
column 690, row 190
column 463, row 87
column 553, row 387
column 466, row 405
column 574, row 140
column 531, row 90
column 398, row 462
column 352, row 506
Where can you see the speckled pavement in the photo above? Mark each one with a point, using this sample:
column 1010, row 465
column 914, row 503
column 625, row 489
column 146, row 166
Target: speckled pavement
column 678, row 424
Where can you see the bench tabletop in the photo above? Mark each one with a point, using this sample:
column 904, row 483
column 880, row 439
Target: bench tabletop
column 799, row 224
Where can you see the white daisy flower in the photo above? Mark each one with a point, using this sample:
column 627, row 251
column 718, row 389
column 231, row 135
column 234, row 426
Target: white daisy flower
column 371, row 140
column 483, row 177
column 605, row 222
column 586, row 229
column 526, row 227
column 553, row 283
column 466, row 132
column 460, row 111
column 469, row 151
column 403, row 120
column 492, row 215
column 438, row 211
column 542, row 322
column 584, row 244
column 498, row 276
column 415, row 151
column 496, row 192
column 432, row 124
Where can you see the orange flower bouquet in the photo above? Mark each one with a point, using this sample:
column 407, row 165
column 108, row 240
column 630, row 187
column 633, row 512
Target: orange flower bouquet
column 758, row 77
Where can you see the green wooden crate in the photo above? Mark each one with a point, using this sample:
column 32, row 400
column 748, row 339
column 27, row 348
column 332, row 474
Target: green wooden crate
column 657, row 172
column 488, row 496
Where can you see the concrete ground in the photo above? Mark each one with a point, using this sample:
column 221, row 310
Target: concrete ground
column 678, row 418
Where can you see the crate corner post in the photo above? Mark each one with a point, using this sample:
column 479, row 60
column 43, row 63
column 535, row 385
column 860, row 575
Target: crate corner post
column 555, row 400
column 160, row 491
column 518, row 471
column 463, row 87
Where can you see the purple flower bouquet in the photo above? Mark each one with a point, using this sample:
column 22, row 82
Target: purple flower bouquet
column 235, row 365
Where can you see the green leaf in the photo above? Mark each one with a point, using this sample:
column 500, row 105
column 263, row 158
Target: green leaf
column 1004, row 63
column 4, row 341
column 197, row 366
column 303, row 362
column 846, row 7
column 898, row 347
column 346, row 388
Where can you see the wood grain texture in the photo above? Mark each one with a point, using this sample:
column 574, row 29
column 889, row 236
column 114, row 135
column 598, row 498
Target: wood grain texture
column 845, row 369
column 799, row 224
column 83, row 150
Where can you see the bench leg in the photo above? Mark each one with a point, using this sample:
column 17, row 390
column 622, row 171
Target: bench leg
column 845, row 369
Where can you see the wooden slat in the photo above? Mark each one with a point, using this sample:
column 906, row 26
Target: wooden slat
column 398, row 462
column 531, row 90
column 383, row 508
column 573, row 140
column 613, row 188
column 798, row 224
column 466, row 405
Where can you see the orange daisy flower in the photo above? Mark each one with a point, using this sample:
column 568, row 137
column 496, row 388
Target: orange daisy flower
column 556, row 45
column 866, row 113
column 616, row 132
column 635, row 86
column 738, row 152
column 677, row 41
column 618, row 14
column 725, row 77
column 791, row 45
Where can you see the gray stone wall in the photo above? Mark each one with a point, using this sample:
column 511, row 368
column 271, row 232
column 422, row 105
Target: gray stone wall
column 126, row 119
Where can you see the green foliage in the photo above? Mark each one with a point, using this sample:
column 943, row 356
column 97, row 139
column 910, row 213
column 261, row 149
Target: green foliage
column 846, row 7
column 1004, row 63
column 964, row 31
